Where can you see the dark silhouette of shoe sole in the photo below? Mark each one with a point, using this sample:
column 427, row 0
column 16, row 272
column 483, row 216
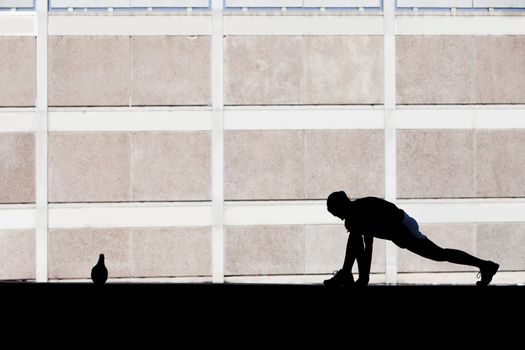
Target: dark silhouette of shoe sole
column 339, row 283
column 487, row 273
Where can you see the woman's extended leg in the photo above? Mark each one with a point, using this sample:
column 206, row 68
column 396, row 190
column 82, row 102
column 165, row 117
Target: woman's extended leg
column 428, row 249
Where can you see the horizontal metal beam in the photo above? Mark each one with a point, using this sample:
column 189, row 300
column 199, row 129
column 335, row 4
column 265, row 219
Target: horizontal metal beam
column 477, row 117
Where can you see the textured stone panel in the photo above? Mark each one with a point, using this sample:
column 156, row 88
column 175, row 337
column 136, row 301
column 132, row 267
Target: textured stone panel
column 263, row 70
column 17, row 166
column 172, row 251
column 17, row 71
column 89, row 71
column 435, row 164
column 343, row 70
column 264, row 164
column 498, row 74
column 434, row 69
column 17, row 254
column 260, row 250
column 500, row 163
column 171, row 166
column 73, row 252
column 89, row 167
column 170, row 70
column 347, row 160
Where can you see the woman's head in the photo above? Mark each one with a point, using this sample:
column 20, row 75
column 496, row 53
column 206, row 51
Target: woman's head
column 337, row 204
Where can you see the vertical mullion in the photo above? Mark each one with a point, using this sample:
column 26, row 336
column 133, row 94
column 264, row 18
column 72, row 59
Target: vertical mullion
column 217, row 144
column 390, row 128
column 41, row 221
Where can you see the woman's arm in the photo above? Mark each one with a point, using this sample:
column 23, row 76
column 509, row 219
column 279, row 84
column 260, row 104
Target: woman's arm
column 364, row 261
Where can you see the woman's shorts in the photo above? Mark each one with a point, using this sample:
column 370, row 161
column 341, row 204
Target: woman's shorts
column 413, row 227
